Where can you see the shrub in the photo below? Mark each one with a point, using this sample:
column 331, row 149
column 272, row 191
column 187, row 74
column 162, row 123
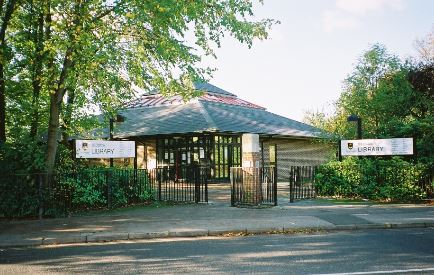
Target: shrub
column 73, row 191
column 387, row 180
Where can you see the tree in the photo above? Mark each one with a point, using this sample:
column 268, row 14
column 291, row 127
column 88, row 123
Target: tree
column 425, row 48
column 361, row 95
column 363, row 85
column 92, row 52
column 7, row 8
column 393, row 98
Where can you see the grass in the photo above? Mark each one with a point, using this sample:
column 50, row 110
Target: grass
column 358, row 201
column 346, row 201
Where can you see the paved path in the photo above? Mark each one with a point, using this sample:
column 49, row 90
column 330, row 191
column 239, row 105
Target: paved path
column 214, row 218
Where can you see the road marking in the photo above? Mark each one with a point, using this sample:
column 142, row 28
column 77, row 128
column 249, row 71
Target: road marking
column 382, row 272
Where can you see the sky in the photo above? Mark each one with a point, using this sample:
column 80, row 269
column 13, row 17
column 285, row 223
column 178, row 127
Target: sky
column 302, row 65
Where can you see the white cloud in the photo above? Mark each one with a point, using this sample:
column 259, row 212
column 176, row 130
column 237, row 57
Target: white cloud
column 362, row 7
column 347, row 14
column 336, row 19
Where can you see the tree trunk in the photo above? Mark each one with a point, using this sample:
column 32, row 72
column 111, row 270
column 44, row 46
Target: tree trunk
column 2, row 106
column 38, row 37
column 57, row 97
column 10, row 6
column 68, row 115
column 55, row 106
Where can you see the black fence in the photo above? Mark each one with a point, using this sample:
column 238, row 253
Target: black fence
column 41, row 195
column 253, row 186
column 379, row 181
column 302, row 182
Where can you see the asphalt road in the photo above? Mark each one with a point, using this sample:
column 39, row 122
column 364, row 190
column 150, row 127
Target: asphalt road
column 356, row 252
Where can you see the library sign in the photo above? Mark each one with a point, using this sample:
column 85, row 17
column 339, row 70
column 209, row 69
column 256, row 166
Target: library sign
column 104, row 149
column 377, row 147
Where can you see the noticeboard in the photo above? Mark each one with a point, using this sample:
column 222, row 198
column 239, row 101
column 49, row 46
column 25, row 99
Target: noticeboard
column 104, row 149
column 377, row 147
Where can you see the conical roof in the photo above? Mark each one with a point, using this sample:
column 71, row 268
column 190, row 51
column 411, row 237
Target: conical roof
column 215, row 111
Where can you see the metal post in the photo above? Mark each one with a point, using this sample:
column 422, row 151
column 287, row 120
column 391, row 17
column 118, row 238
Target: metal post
column 111, row 137
column 159, row 179
column 414, row 149
column 275, row 185
column 339, row 151
column 358, row 120
column 206, row 184
column 232, row 180
column 359, row 128
column 196, row 174
column 291, row 185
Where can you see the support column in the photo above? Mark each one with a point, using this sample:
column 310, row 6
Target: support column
column 151, row 154
column 251, row 150
column 252, row 191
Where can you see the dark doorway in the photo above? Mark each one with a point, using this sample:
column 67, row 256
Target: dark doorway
column 216, row 152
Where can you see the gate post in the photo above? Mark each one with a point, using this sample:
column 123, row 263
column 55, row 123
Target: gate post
column 275, row 185
column 196, row 175
column 159, row 179
column 231, row 175
column 291, row 185
column 206, row 184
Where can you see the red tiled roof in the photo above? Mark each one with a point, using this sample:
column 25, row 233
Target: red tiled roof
column 159, row 100
column 153, row 100
column 229, row 100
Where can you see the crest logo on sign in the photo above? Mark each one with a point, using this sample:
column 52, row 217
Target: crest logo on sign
column 350, row 146
column 85, row 146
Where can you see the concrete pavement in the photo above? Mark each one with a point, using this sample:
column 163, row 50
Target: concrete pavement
column 215, row 218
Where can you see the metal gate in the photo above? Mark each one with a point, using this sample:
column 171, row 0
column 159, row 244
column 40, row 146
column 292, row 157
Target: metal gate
column 302, row 183
column 253, row 186
column 186, row 184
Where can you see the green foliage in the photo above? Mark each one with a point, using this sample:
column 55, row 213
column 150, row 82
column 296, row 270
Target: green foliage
column 393, row 98
column 73, row 191
column 66, row 60
column 385, row 180
column 86, row 192
column 23, row 156
column 19, row 196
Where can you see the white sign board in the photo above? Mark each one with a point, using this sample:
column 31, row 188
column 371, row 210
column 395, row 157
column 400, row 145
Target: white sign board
column 104, row 149
column 377, row 147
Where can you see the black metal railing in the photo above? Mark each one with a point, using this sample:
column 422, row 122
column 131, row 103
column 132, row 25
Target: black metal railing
column 354, row 179
column 181, row 184
column 39, row 194
column 302, row 183
column 253, row 186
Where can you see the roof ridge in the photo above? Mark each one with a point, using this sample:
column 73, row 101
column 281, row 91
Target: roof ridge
column 210, row 88
column 207, row 116
column 222, row 99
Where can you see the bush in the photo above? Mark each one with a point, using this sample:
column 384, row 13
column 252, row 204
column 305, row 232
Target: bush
column 96, row 188
column 19, row 196
column 22, row 196
column 385, row 180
